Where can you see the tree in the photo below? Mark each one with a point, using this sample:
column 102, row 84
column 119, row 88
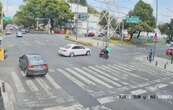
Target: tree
column 145, row 12
column 81, row 2
column 92, row 10
column 56, row 10
column 167, row 28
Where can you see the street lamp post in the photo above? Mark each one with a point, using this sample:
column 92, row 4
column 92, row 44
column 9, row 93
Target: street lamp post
column 156, row 36
column 77, row 15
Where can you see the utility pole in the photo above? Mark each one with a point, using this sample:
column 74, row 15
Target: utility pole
column 77, row 15
column 156, row 35
column 108, row 29
column 2, row 13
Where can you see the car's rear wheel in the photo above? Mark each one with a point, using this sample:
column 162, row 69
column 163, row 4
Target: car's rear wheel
column 88, row 53
column 71, row 55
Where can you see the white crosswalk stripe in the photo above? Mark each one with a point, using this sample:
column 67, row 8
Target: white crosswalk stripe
column 76, row 81
column 129, row 73
column 52, row 81
column 138, row 92
column 31, row 85
column 109, row 76
column 100, row 76
column 105, row 68
column 128, row 67
column 18, row 83
column 80, row 76
column 93, row 78
column 44, row 85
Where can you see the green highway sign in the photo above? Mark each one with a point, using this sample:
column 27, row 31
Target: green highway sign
column 7, row 18
column 133, row 19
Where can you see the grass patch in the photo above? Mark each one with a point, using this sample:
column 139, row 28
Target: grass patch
column 80, row 42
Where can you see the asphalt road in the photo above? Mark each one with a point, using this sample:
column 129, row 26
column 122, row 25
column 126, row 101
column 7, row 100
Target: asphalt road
column 88, row 81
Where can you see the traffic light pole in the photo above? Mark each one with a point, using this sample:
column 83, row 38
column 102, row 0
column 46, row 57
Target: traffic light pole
column 155, row 42
column 77, row 14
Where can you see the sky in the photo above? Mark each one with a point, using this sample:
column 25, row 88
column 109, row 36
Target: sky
column 118, row 7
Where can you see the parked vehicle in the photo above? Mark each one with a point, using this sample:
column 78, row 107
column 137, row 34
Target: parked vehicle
column 74, row 50
column 90, row 34
column 33, row 64
column 19, row 34
column 169, row 51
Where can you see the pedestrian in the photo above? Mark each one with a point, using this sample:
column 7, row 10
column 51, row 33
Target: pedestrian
column 150, row 55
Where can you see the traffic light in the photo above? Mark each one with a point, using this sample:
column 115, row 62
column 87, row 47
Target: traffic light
column 3, row 54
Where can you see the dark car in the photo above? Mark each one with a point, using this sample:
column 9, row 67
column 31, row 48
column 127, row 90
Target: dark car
column 33, row 64
column 101, row 34
column 169, row 51
column 90, row 34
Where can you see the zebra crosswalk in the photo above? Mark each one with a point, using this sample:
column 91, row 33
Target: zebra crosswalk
column 96, row 77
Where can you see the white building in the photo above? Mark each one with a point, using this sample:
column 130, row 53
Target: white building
column 93, row 25
column 82, row 13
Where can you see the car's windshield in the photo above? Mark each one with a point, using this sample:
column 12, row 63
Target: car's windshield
column 86, row 54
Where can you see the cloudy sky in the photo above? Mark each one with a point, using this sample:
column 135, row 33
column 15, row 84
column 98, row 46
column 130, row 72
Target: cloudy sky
column 119, row 7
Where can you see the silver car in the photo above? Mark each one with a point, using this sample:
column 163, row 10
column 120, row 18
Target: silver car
column 33, row 64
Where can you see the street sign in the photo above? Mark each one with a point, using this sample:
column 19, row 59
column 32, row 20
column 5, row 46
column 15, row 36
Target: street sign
column 7, row 18
column 133, row 19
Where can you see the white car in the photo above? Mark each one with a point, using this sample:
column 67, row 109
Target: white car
column 74, row 50
column 19, row 34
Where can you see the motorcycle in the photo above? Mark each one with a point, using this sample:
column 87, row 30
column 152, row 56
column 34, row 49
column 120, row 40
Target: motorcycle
column 103, row 54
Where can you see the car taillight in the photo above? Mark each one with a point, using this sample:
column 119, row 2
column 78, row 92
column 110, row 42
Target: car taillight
column 30, row 66
column 45, row 66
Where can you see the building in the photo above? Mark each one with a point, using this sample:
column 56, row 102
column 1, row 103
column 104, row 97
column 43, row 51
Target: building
column 80, row 18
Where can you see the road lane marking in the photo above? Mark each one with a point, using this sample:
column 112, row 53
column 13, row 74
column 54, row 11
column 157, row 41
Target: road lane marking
column 161, row 85
column 18, row 83
column 121, row 67
column 99, row 76
column 76, row 81
column 31, row 85
column 105, row 74
column 171, row 82
column 53, row 82
column 138, row 92
column 108, row 69
column 129, row 73
column 93, row 78
column 44, row 86
column 128, row 67
column 105, row 100
column 80, row 76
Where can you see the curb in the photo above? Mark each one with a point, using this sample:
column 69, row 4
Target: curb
column 81, row 42
column 8, row 96
column 155, row 63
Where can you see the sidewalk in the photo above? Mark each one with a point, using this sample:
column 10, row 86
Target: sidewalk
column 158, row 61
column 7, row 97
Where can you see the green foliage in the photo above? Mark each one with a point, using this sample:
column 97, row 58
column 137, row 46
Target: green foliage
column 92, row 10
column 145, row 12
column 81, row 2
column 54, row 9
column 167, row 29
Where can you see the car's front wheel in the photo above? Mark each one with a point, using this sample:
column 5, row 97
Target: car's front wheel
column 72, row 55
column 88, row 53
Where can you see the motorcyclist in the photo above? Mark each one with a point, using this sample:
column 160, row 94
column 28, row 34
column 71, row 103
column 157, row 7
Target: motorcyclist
column 104, row 52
